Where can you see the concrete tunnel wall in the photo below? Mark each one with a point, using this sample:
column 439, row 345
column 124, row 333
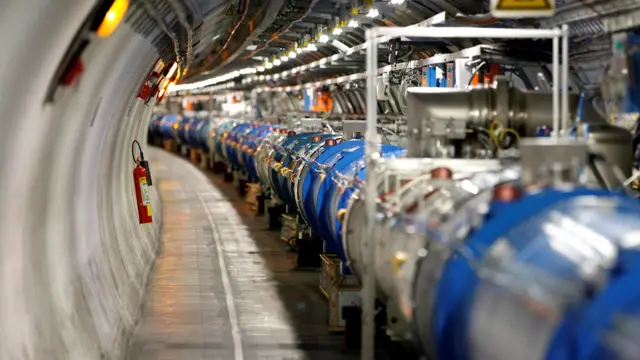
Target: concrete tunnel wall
column 74, row 259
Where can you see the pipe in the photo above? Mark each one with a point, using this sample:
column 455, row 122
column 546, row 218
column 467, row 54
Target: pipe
column 480, row 19
column 276, row 35
column 232, row 31
column 153, row 13
column 477, row 106
column 179, row 9
column 524, row 111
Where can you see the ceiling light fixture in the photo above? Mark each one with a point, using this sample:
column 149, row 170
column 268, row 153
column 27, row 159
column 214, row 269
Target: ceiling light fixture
column 337, row 31
column 324, row 38
column 284, row 58
column 260, row 68
column 293, row 54
column 353, row 24
column 277, row 62
column 373, row 13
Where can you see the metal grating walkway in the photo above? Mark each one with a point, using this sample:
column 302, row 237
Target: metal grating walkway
column 223, row 287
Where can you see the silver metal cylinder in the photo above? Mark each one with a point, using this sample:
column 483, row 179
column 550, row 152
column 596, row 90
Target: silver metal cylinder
column 412, row 233
column 436, row 113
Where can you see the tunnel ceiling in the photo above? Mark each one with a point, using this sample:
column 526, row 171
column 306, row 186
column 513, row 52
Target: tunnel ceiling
column 214, row 37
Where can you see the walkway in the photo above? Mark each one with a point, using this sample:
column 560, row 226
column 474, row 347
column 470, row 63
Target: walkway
column 223, row 287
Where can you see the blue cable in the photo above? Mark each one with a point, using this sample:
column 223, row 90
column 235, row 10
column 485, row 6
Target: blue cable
column 580, row 114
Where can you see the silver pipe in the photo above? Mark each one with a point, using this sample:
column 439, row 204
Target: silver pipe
column 326, row 124
column 179, row 9
column 565, row 80
column 555, row 88
column 153, row 13
column 517, row 109
column 544, row 84
column 369, row 278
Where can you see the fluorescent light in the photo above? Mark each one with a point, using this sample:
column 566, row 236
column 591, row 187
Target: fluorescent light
column 252, row 47
column 324, row 38
column 337, row 31
column 352, row 23
column 172, row 71
column 260, row 68
column 373, row 13
column 397, row 2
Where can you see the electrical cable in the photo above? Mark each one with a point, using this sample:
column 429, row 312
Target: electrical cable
column 475, row 72
column 497, row 133
column 232, row 32
column 275, row 36
column 291, row 243
column 382, row 129
column 135, row 142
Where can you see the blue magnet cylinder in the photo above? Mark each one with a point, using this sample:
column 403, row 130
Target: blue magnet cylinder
column 288, row 153
column 183, row 128
column 542, row 234
column 337, row 173
column 248, row 147
column 220, row 136
column 168, row 126
column 232, row 145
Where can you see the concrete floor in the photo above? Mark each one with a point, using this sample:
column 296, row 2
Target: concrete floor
column 223, row 286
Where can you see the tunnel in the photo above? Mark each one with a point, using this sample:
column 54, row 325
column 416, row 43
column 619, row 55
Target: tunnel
column 206, row 179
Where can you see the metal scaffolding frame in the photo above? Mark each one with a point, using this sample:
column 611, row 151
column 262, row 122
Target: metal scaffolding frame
column 372, row 140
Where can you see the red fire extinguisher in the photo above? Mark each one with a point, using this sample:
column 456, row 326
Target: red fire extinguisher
column 142, row 181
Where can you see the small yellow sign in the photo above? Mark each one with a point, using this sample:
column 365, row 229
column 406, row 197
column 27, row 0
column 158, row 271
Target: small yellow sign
column 522, row 8
column 231, row 11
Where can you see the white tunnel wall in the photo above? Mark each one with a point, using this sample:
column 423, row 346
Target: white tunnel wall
column 74, row 258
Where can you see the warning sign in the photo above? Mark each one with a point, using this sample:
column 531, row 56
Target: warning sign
column 231, row 11
column 522, row 8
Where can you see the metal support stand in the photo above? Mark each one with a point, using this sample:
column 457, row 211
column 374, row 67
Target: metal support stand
column 373, row 37
column 309, row 250
column 261, row 204
column 275, row 215
column 228, row 175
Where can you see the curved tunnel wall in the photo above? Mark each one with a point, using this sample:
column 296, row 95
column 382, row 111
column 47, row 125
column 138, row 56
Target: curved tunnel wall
column 74, row 258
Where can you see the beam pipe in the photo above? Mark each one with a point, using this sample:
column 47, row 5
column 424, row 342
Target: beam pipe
column 368, row 282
